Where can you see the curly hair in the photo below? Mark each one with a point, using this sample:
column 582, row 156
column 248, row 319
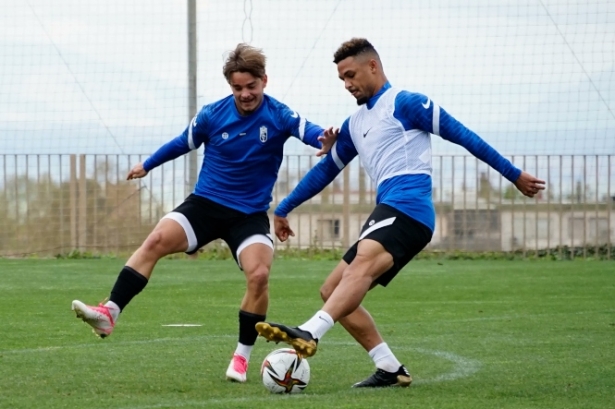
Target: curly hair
column 353, row 47
column 245, row 58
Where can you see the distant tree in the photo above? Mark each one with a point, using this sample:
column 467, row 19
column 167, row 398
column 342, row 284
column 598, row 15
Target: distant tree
column 485, row 189
column 578, row 192
column 37, row 215
column 582, row 193
column 511, row 192
column 548, row 193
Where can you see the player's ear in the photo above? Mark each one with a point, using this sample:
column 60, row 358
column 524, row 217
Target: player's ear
column 373, row 66
column 264, row 80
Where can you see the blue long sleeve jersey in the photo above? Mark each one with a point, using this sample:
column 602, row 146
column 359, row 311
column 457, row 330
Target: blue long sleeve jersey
column 391, row 136
column 242, row 153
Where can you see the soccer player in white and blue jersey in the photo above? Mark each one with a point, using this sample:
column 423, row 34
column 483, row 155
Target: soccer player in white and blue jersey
column 244, row 136
column 391, row 135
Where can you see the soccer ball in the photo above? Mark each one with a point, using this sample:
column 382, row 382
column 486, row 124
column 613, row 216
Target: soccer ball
column 283, row 371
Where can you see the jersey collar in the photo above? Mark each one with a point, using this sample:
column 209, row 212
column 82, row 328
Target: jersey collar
column 372, row 101
column 257, row 110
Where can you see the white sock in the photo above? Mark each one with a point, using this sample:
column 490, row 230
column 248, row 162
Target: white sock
column 318, row 325
column 114, row 310
column 384, row 359
column 244, row 350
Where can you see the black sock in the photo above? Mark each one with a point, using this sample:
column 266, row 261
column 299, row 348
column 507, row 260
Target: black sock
column 247, row 322
column 128, row 284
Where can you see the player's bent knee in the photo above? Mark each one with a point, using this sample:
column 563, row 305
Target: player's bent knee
column 152, row 242
column 157, row 244
column 259, row 277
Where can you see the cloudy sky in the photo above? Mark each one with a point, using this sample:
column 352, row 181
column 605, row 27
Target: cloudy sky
column 531, row 77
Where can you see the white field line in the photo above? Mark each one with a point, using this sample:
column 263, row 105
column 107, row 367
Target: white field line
column 275, row 400
column 463, row 367
column 96, row 343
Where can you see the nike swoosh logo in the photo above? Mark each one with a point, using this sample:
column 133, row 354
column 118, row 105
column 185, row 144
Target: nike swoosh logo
column 242, row 134
column 295, row 115
column 365, row 134
column 426, row 104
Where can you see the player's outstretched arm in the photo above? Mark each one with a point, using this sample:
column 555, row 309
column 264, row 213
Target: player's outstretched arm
column 529, row 185
column 169, row 151
column 454, row 131
column 315, row 181
column 342, row 152
column 193, row 136
column 419, row 111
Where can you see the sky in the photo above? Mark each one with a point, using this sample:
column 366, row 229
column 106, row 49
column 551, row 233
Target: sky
column 110, row 77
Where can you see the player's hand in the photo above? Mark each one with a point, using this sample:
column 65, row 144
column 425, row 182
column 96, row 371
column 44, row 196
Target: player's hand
column 529, row 185
column 282, row 228
column 137, row 172
column 327, row 140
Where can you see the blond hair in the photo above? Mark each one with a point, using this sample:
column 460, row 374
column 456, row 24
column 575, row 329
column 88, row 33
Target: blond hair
column 245, row 58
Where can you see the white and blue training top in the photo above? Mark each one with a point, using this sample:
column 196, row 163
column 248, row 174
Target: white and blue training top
column 242, row 153
column 391, row 135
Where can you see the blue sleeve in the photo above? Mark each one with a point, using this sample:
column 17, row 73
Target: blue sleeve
column 342, row 153
column 416, row 111
column 300, row 128
column 194, row 135
column 311, row 133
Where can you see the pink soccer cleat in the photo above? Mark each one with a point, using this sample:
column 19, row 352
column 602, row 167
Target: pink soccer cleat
column 99, row 318
column 237, row 369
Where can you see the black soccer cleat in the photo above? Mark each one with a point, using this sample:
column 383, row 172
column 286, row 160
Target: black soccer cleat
column 383, row 379
column 302, row 341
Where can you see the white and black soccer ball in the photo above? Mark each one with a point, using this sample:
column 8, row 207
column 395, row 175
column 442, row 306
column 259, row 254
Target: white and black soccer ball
column 283, row 371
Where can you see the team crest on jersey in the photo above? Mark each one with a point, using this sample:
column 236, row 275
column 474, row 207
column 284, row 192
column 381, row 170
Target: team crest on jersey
column 263, row 134
column 224, row 135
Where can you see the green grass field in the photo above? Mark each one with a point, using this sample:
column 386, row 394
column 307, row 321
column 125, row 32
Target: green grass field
column 474, row 334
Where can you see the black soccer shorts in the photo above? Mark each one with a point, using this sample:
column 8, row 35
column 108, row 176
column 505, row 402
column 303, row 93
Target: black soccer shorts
column 400, row 235
column 204, row 220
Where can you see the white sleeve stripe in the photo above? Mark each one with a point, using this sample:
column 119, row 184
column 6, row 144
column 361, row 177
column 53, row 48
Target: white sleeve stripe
column 190, row 138
column 336, row 158
column 380, row 224
column 436, row 119
column 301, row 128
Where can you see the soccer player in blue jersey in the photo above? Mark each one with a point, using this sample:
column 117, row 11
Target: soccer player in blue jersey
column 244, row 136
column 391, row 135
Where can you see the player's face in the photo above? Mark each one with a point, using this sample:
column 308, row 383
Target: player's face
column 248, row 91
column 358, row 77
